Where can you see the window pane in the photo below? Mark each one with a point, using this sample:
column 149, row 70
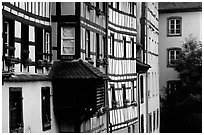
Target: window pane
column 172, row 22
column 68, row 47
column 171, row 26
column 178, row 22
column 178, row 31
column 68, row 32
column 172, row 31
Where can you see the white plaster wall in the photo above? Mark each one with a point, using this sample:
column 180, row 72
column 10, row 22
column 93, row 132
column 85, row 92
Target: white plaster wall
column 32, row 116
column 191, row 24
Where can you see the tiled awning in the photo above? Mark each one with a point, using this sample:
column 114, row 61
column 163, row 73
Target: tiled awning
column 142, row 67
column 77, row 69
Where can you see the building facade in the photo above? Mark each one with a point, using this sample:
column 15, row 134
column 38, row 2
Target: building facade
column 152, row 58
column 80, row 67
column 178, row 20
column 79, row 38
column 26, row 57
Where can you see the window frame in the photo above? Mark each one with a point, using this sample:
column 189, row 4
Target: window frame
column 175, row 18
column 87, row 44
column 67, row 38
column 150, row 122
column 113, row 96
column 97, row 46
column 133, row 48
column 169, row 55
column 8, row 45
column 124, row 47
column 141, row 89
column 47, row 46
column 111, row 49
column 142, row 123
column 154, row 120
column 124, row 94
column 173, row 82
column 46, row 110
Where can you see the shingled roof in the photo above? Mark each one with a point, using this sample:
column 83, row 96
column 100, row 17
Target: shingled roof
column 77, row 69
column 179, row 6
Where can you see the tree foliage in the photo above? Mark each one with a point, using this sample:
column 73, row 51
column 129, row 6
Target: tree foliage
column 189, row 66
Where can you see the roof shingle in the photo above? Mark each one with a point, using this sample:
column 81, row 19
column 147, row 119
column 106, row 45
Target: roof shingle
column 75, row 70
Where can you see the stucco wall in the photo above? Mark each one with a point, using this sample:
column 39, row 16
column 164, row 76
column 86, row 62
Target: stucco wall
column 32, row 109
column 191, row 24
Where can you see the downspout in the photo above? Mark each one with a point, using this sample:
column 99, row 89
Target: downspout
column 106, row 68
column 144, row 42
column 146, row 50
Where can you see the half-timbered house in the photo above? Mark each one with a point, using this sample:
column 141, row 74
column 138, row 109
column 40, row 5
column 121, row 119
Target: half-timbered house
column 26, row 59
column 78, row 73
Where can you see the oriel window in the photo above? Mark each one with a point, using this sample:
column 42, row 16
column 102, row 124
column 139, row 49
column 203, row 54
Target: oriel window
column 67, row 41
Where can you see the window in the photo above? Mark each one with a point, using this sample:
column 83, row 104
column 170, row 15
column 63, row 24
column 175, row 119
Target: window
column 133, row 91
column 24, row 42
column 154, row 120
column 172, row 56
column 45, row 98
column 174, row 26
column 97, row 46
column 150, row 123
column 113, row 96
column 39, row 44
column 117, row 5
column 124, row 45
column 157, row 118
column 67, row 41
column 129, row 129
column 172, row 86
column 131, row 7
column 87, row 43
column 141, row 89
column 15, row 110
column 133, row 47
column 47, row 46
column 104, row 7
column 133, row 128
column 111, row 49
column 142, row 123
column 124, row 95
column 103, row 47
column 97, row 5
column 8, row 37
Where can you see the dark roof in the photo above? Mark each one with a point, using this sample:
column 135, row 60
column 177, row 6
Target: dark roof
column 27, row 78
column 77, row 69
column 142, row 67
column 165, row 7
